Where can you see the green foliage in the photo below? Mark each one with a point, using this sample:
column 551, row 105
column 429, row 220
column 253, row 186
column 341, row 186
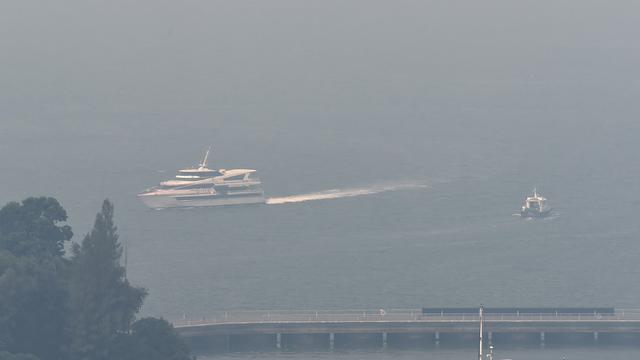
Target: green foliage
column 33, row 305
column 104, row 303
column 159, row 340
column 31, row 228
column 151, row 338
column 53, row 308
column 33, row 295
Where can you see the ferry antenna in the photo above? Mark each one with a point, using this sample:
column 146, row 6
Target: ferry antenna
column 206, row 156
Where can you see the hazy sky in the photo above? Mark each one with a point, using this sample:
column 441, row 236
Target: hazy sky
column 278, row 56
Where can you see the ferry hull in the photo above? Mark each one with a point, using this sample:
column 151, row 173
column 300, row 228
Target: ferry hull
column 168, row 201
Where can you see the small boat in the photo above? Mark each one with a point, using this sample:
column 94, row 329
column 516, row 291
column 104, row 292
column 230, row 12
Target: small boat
column 535, row 206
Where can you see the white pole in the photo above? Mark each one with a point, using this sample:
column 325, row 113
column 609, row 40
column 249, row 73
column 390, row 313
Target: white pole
column 206, row 156
column 481, row 324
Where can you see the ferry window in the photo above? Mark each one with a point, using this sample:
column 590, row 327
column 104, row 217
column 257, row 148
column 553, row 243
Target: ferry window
column 198, row 186
column 199, row 173
column 237, row 177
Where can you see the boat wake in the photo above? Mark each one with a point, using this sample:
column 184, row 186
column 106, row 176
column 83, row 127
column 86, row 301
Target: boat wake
column 551, row 216
column 348, row 192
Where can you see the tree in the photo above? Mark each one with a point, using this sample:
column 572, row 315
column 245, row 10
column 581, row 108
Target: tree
column 104, row 303
column 32, row 228
column 54, row 308
column 151, row 338
column 33, row 306
column 33, row 295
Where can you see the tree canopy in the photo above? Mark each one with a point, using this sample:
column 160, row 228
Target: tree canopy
column 104, row 302
column 33, row 305
column 31, row 228
column 53, row 307
column 33, row 295
column 152, row 338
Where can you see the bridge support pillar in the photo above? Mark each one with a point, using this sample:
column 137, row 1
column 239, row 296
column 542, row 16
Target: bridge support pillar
column 385, row 338
column 595, row 336
column 332, row 341
column 437, row 339
column 542, row 338
column 279, row 341
column 227, row 342
column 490, row 338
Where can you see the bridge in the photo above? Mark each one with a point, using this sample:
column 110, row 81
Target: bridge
column 425, row 327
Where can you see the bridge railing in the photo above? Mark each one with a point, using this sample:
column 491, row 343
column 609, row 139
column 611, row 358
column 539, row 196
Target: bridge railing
column 391, row 315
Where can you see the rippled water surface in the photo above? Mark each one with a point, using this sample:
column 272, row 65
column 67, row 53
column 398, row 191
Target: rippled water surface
column 554, row 354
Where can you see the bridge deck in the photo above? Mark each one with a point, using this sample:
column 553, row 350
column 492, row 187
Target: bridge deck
column 403, row 321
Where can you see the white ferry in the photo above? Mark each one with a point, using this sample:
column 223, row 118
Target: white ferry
column 202, row 186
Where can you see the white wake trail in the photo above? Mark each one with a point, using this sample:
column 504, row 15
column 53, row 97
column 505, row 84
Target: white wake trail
column 343, row 193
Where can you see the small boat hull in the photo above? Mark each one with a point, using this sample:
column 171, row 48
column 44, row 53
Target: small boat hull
column 534, row 214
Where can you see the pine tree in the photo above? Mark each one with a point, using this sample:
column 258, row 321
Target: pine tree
column 103, row 302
